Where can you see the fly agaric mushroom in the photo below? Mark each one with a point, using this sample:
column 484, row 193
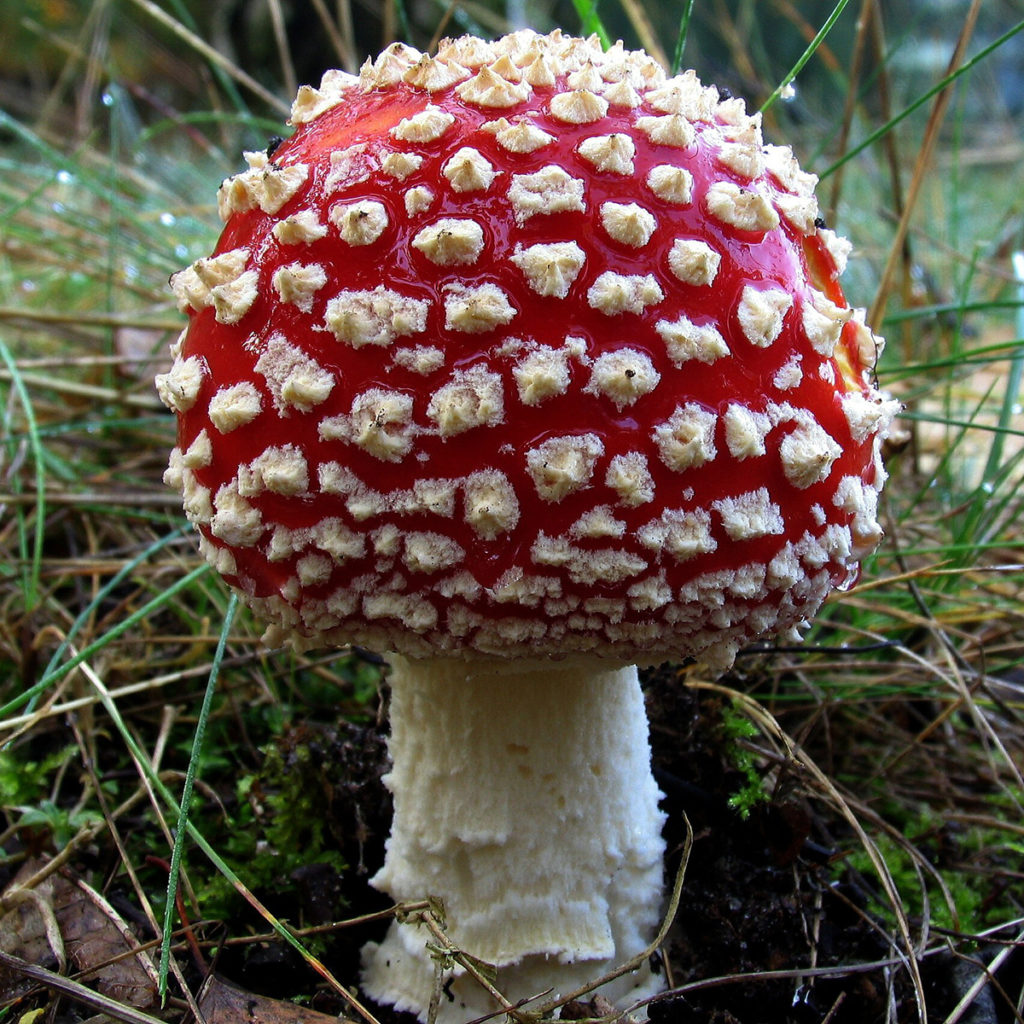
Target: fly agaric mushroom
column 526, row 364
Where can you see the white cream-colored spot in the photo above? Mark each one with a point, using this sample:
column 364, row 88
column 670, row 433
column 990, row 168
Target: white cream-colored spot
column 178, row 345
column 418, row 200
column 694, row 262
column 673, row 184
column 174, row 475
column 581, row 106
column 490, row 90
column 687, row 438
column 587, row 566
column 740, row 208
column 550, row 268
column 684, row 94
column 743, row 155
column 823, row 321
column 421, row 359
column 807, row 454
column 613, row 293
column 790, row 374
column 434, row 75
column 630, row 477
column 375, row 317
column 360, row 223
column 313, row 569
column 426, row 126
column 622, row 94
column 471, row 398
column 234, row 406
column 469, row 51
column 586, row 77
column 868, row 415
column 451, row 241
column 474, row 310
column 732, row 111
column 199, row 453
column 350, row 166
column 800, row 211
column 240, row 192
column 310, row 103
column 234, row 299
column 623, row 376
column 468, row 170
column 541, row 72
column 380, row 423
column 434, row 496
column 300, row 228
column 785, row 570
column 541, row 374
column 490, row 502
column 431, row 552
column 400, row 165
column 868, row 345
column 682, row 534
column 550, row 190
column 650, row 594
column 748, row 581
column 861, row 502
column 590, row 566
column 234, row 520
column 386, row 540
column 295, row 380
column 414, row 613
column 529, row 591
column 784, row 167
column 598, row 524
column 281, row 469
column 839, row 248
column 337, row 540
column 562, row 465
column 669, row 130
column 628, row 223
column 196, row 501
column 221, row 558
column 390, row 67
column 745, row 431
column 761, row 314
column 279, row 185
column 609, row 153
column 518, row 137
column 361, row 502
column 686, row 340
column 751, row 515
column 192, row 286
column 298, row 283
column 179, row 387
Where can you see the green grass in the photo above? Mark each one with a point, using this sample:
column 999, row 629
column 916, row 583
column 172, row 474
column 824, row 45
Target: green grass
column 116, row 127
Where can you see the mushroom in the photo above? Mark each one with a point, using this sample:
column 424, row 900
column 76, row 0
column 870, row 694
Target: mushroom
column 525, row 364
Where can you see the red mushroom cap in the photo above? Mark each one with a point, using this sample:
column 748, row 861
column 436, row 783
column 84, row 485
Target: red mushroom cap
column 526, row 347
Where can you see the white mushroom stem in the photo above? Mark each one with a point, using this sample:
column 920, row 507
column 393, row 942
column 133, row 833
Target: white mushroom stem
column 524, row 800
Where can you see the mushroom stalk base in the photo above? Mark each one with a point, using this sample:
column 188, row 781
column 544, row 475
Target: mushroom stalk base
column 524, row 801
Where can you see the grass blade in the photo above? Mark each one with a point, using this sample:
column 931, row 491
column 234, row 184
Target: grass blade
column 186, row 796
column 806, row 55
column 684, row 31
column 31, row 584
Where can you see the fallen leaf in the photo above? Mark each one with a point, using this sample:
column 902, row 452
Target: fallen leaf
column 63, row 923
column 224, row 1003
